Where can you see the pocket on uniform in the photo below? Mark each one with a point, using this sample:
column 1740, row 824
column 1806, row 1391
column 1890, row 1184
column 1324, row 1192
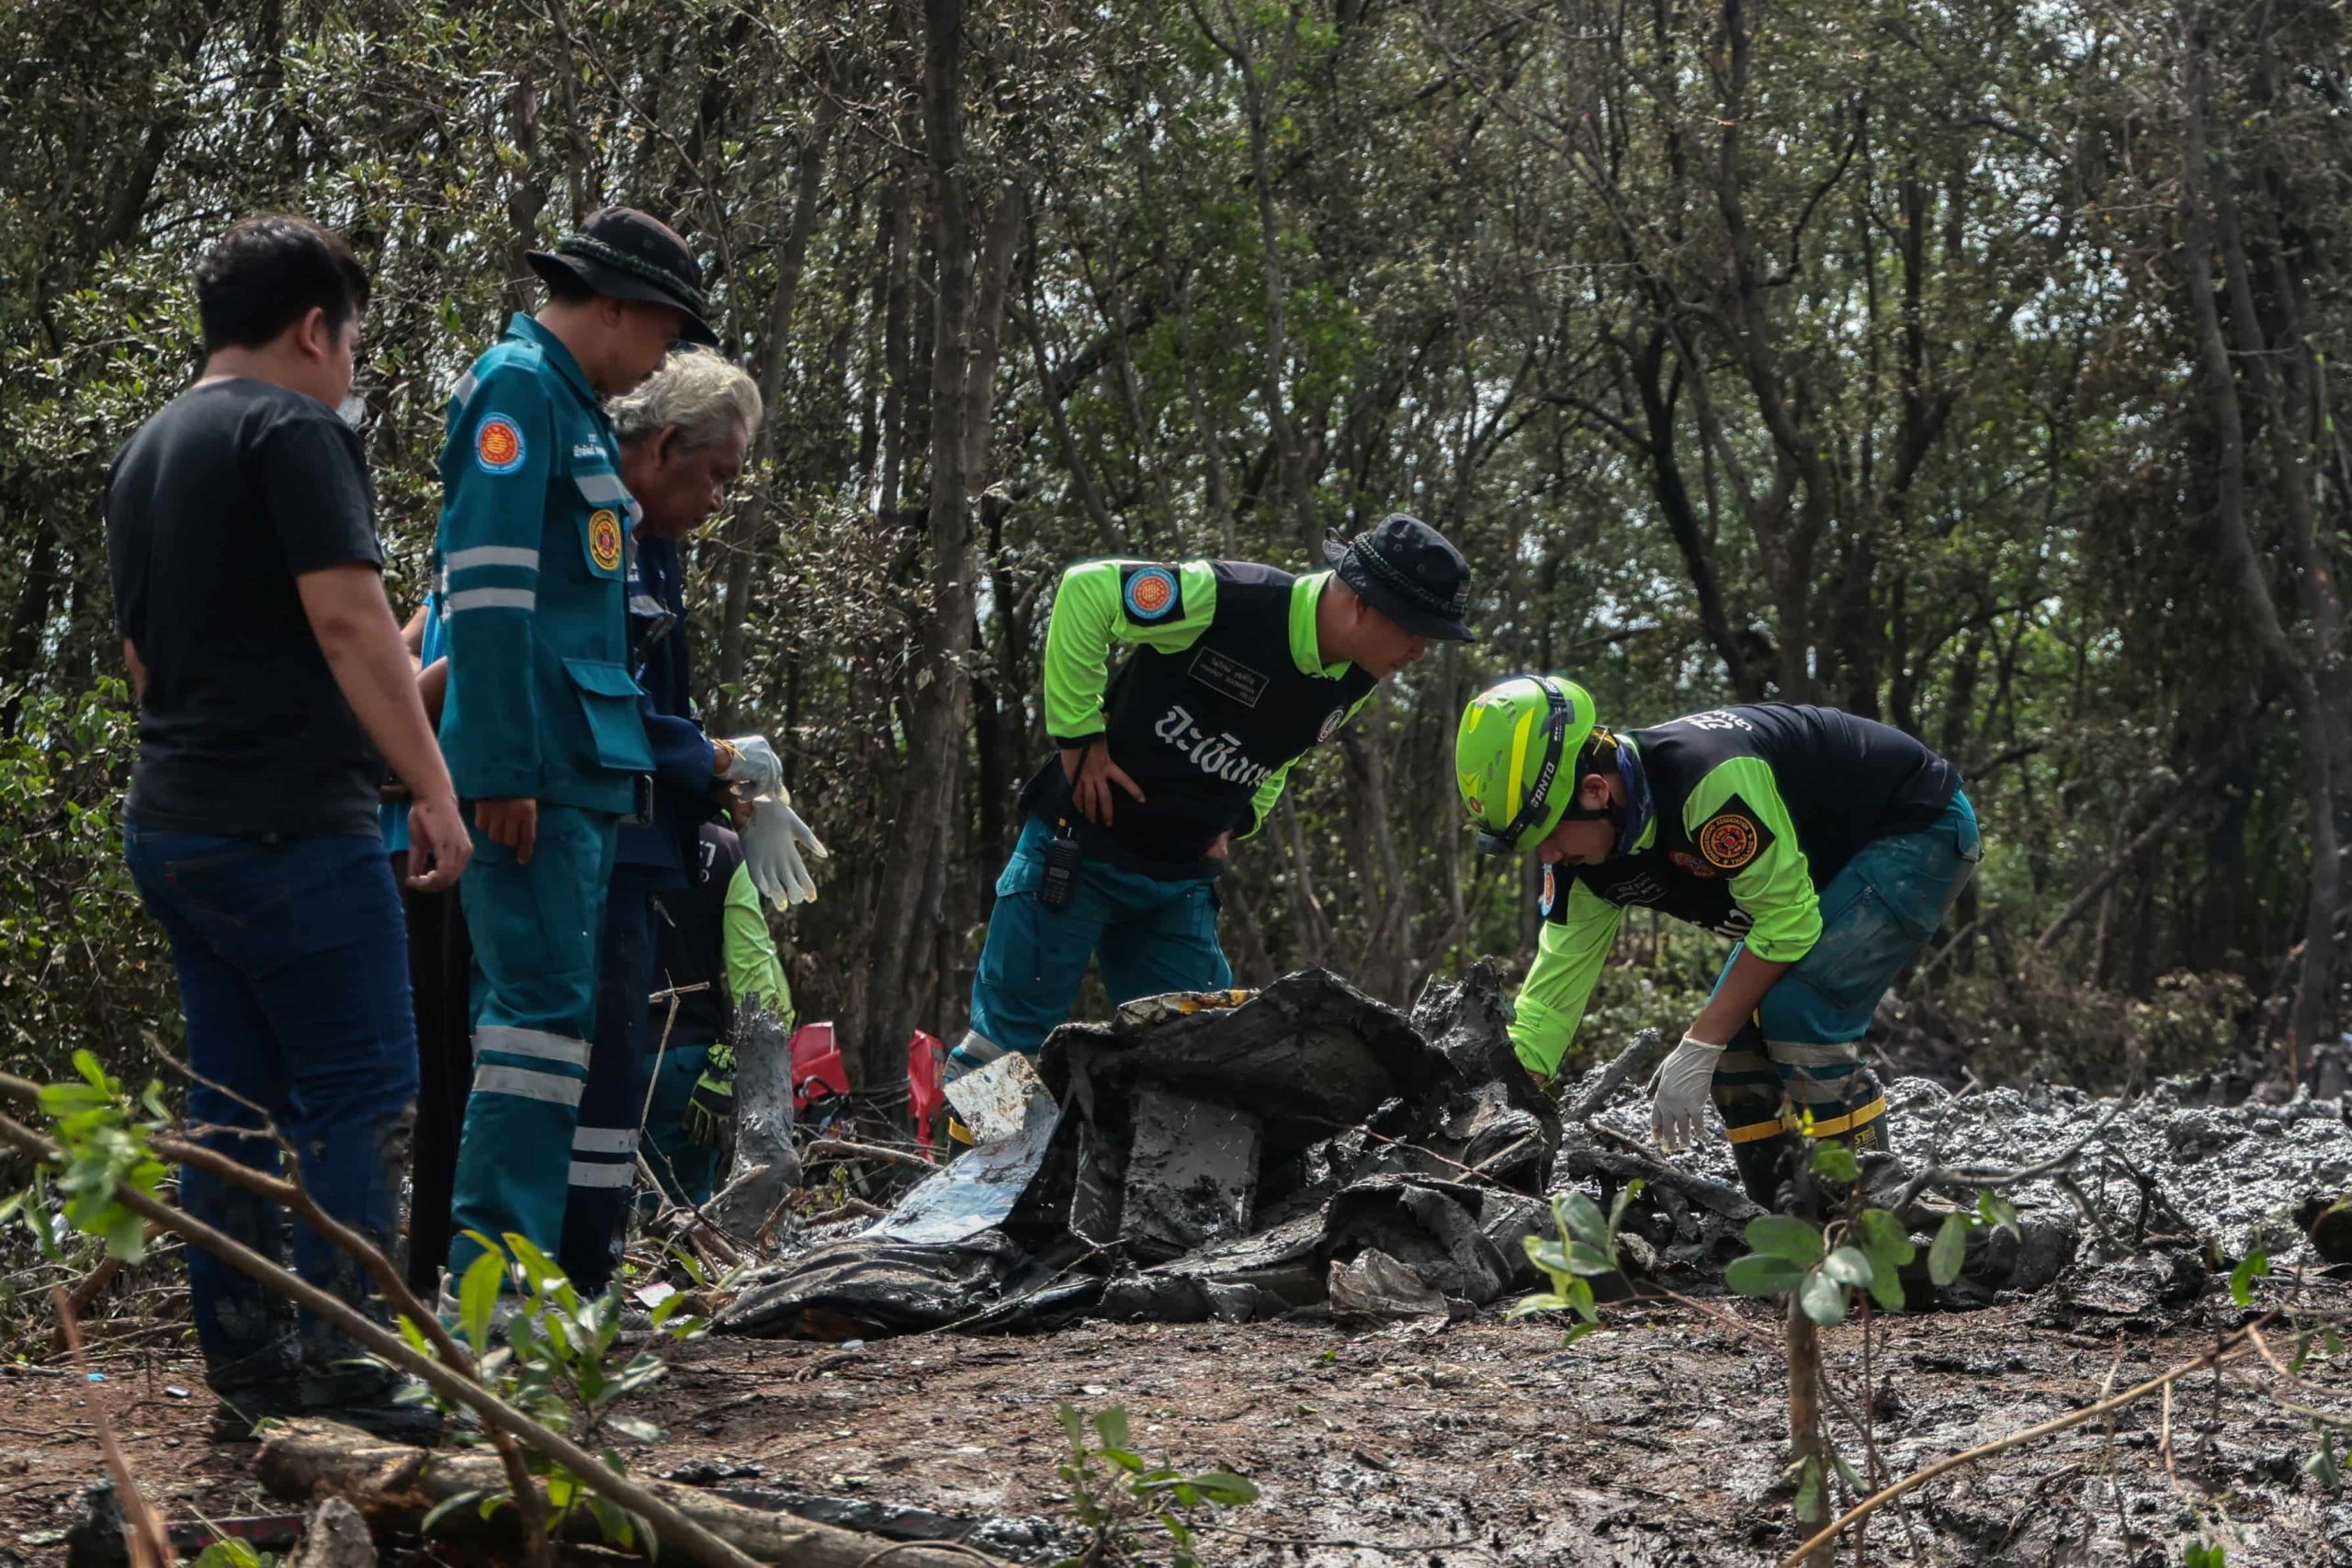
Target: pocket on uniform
column 1863, row 945
column 1023, row 874
column 608, row 699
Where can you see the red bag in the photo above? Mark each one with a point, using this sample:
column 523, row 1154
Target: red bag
column 925, row 1095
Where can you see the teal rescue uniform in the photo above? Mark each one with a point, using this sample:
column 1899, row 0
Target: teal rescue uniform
column 531, row 557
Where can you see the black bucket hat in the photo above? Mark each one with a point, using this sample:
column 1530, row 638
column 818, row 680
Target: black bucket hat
column 1407, row 572
column 623, row 254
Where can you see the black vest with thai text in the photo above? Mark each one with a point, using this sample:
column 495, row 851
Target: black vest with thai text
column 1202, row 730
column 1844, row 781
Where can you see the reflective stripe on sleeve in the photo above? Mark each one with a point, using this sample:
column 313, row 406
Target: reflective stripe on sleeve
column 495, row 555
column 590, row 1173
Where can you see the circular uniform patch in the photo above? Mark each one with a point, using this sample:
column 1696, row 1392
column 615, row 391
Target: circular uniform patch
column 604, row 538
column 1729, row 841
column 498, row 445
column 1551, row 891
column 1332, row 722
column 1151, row 593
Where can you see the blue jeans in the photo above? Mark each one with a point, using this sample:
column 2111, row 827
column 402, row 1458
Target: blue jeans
column 1152, row 936
column 1804, row 1047
column 293, row 975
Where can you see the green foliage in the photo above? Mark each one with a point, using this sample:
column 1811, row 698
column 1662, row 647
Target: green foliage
column 80, row 967
column 1119, row 1498
column 105, row 1141
column 1469, row 326
column 1823, row 1269
column 560, row 1364
column 2203, row 1554
column 2253, row 1266
column 1582, row 1248
column 2322, row 1466
column 230, row 1552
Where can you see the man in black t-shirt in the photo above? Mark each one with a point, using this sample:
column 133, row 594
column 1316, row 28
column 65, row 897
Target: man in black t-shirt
column 273, row 688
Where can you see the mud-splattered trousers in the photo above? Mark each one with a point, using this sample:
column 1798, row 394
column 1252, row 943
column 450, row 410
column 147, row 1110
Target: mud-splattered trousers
column 1797, row 1063
column 293, row 975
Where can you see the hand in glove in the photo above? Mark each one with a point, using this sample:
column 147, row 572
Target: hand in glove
column 749, row 760
column 1679, row 1094
column 709, row 1120
column 771, row 851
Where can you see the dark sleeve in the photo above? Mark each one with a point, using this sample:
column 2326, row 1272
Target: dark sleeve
column 313, row 478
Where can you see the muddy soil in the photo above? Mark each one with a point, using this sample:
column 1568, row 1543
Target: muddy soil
column 1655, row 1443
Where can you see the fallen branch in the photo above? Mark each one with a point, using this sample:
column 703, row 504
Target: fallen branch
column 2233, row 1347
column 290, row 1191
column 1985, row 1178
column 1628, row 1062
column 308, row 1457
column 675, row 1528
column 841, row 1148
column 148, row 1544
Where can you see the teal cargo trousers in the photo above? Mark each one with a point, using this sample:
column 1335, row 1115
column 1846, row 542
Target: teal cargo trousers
column 535, row 932
column 1151, row 935
column 1797, row 1063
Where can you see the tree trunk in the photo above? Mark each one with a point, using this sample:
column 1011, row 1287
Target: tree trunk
column 2313, row 1008
column 966, row 328
column 743, row 530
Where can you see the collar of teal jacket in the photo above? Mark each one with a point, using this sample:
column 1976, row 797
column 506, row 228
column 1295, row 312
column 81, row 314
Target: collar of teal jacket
column 524, row 327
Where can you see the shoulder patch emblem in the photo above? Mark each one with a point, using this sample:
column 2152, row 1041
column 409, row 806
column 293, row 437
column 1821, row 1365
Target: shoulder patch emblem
column 1151, row 593
column 1550, row 890
column 1331, row 723
column 604, row 538
column 498, row 445
column 1731, row 837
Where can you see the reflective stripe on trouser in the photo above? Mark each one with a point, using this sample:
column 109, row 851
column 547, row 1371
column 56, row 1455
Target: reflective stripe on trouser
column 620, row 1070
column 1801, row 1054
column 1150, row 935
column 535, row 931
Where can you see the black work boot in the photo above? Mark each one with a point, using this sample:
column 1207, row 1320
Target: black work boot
column 1767, row 1167
column 254, row 1388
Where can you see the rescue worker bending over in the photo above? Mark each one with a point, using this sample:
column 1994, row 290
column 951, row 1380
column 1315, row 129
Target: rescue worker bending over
column 541, row 724
column 1828, row 846
column 1237, row 671
column 714, row 932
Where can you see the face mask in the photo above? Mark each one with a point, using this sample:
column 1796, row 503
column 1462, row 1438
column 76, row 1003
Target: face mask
column 353, row 409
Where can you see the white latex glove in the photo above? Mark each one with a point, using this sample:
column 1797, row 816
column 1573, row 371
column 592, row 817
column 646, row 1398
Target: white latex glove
column 771, row 851
column 749, row 761
column 1679, row 1094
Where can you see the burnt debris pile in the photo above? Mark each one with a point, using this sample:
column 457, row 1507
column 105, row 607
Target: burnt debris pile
column 1306, row 1150
column 1303, row 1148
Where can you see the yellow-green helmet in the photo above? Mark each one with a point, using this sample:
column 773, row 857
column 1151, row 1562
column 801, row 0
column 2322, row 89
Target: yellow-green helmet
column 1517, row 741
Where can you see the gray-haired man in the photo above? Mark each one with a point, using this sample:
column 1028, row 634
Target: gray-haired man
column 685, row 433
